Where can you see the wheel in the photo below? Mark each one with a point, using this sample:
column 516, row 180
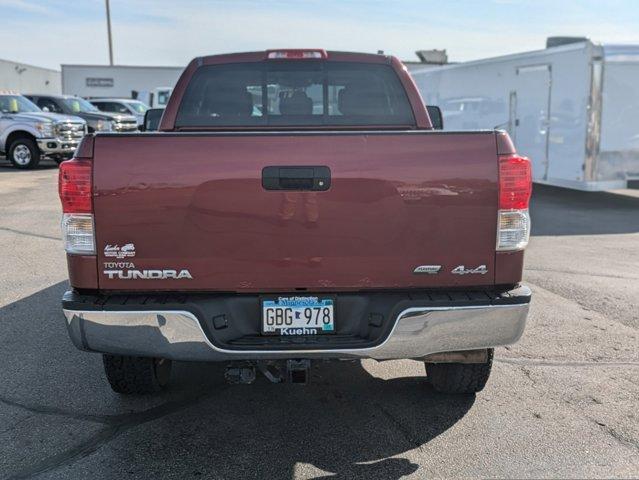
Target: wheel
column 459, row 377
column 136, row 375
column 24, row 153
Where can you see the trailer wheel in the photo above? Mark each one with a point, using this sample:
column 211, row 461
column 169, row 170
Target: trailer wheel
column 461, row 378
column 24, row 153
column 136, row 375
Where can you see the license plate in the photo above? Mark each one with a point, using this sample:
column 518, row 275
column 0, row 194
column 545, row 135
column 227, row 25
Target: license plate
column 298, row 316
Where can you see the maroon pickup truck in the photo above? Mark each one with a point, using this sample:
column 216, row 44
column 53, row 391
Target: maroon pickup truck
column 295, row 205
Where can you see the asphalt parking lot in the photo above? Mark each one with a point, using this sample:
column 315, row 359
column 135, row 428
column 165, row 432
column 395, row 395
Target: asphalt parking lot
column 564, row 402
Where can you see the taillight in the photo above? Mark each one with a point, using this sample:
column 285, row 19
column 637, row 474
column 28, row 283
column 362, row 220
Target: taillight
column 515, row 188
column 78, row 233
column 74, row 186
column 515, row 182
column 75, row 189
column 295, row 54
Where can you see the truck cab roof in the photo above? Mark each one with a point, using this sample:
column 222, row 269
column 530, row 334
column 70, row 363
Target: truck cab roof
column 327, row 55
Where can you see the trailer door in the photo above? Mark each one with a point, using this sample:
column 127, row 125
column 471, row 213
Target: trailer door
column 533, row 116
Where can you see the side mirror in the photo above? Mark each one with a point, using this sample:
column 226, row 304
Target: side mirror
column 152, row 119
column 436, row 117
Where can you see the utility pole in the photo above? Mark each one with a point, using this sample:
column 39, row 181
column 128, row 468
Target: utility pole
column 108, row 15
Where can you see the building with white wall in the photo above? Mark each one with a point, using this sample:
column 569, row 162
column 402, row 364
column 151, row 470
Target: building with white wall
column 22, row 77
column 117, row 80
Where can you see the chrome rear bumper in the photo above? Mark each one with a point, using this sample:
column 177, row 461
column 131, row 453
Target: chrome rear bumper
column 177, row 334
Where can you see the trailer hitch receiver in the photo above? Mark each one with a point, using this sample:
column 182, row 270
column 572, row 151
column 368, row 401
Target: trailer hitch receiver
column 298, row 371
column 241, row 373
column 290, row 371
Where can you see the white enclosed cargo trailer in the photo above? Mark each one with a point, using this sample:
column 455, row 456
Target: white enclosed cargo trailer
column 573, row 109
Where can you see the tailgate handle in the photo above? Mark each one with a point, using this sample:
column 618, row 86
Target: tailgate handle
column 296, row 178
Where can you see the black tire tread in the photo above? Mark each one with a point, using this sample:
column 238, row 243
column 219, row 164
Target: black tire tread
column 459, row 378
column 131, row 375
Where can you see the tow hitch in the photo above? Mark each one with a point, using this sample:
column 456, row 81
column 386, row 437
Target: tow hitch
column 240, row 373
column 298, row 371
column 290, row 371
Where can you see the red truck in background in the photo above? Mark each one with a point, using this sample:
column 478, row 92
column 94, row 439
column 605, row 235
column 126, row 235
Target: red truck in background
column 295, row 205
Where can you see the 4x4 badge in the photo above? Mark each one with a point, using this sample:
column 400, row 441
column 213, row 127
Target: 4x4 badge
column 462, row 270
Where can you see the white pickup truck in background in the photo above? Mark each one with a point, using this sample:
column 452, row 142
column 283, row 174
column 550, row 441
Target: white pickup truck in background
column 27, row 134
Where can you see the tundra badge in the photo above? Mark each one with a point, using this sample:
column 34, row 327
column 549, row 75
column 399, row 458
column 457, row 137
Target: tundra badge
column 147, row 274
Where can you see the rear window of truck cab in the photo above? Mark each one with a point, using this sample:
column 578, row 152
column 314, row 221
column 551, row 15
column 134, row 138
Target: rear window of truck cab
column 294, row 94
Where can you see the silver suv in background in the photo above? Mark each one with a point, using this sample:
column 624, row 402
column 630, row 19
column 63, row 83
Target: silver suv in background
column 122, row 106
column 27, row 133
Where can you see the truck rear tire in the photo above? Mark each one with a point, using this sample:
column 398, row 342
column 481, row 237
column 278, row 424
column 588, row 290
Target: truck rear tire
column 24, row 153
column 136, row 375
column 459, row 377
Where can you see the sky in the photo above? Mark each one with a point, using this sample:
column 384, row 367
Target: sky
column 162, row 32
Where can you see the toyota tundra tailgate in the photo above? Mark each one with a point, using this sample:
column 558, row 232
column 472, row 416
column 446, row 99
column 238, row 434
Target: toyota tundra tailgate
column 295, row 211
